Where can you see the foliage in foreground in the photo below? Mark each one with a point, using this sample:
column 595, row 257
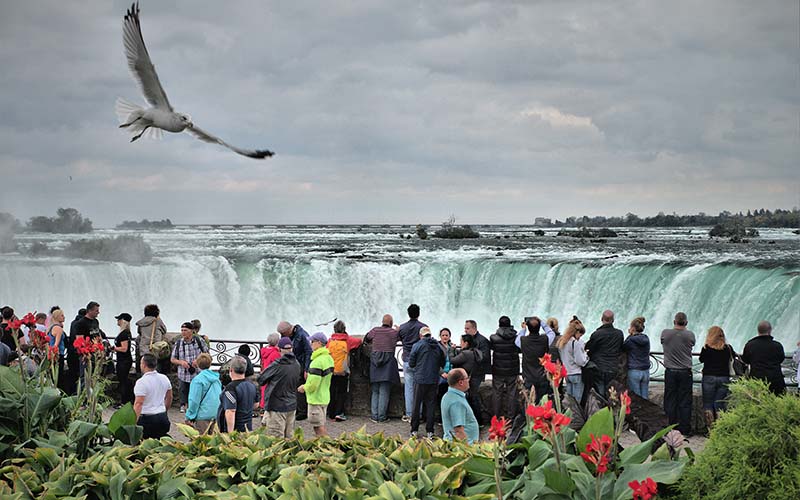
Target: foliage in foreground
column 753, row 450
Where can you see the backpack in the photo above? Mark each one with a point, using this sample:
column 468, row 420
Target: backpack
column 340, row 355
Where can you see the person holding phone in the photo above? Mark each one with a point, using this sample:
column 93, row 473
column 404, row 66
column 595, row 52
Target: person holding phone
column 184, row 355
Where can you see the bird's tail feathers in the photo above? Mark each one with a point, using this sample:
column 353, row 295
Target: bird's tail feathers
column 127, row 111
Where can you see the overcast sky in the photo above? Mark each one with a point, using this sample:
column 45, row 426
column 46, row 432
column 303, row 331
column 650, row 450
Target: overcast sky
column 406, row 111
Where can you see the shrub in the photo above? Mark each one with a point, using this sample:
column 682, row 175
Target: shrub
column 67, row 220
column 450, row 230
column 128, row 249
column 753, row 450
column 732, row 230
column 146, row 224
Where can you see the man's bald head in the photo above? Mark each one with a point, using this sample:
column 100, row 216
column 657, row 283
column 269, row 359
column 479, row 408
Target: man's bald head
column 764, row 328
column 285, row 328
column 608, row 316
column 387, row 320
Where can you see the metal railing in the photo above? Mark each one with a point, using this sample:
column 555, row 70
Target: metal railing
column 223, row 350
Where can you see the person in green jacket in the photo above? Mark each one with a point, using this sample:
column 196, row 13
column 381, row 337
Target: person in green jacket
column 318, row 384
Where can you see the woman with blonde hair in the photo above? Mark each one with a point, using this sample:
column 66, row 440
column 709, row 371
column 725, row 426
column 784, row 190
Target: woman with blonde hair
column 58, row 338
column 573, row 356
column 637, row 345
column 716, row 356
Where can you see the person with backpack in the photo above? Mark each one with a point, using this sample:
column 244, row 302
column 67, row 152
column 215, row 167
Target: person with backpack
column 469, row 359
column 184, row 355
column 204, row 392
column 340, row 344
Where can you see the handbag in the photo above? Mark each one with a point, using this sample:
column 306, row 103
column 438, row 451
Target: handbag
column 160, row 348
column 736, row 367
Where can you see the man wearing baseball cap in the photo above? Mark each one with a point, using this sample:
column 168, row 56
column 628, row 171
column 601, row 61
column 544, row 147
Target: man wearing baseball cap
column 318, row 384
column 281, row 378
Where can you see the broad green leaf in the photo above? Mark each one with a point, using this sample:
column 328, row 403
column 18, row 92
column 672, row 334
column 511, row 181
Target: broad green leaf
column 11, row 385
column 40, row 403
column 390, row 491
column 79, row 429
column 558, row 481
column 661, row 472
column 638, row 453
column 601, row 423
column 173, row 488
column 123, row 416
column 538, row 453
column 130, row 434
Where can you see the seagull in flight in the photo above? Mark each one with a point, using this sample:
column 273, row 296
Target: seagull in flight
column 160, row 116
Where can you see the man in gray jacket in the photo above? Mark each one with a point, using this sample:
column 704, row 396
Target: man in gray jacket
column 282, row 379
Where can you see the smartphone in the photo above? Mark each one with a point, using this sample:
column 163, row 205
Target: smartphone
column 526, row 319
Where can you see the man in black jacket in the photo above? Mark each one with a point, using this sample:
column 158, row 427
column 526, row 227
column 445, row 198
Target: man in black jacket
column 604, row 348
column 282, row 378
column 505, row 369
column 426, row 359
column 483, row 367
column 534, row 346
column 765, row 355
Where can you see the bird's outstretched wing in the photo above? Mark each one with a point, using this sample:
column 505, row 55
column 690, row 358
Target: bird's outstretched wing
column 139, row 60
column 206, row 137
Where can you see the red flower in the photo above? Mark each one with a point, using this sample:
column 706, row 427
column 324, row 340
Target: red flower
column 498, row 428
column 29, row 319
column 645, row 490
column 546, row 419
column 14, row 324
column 626, row 401
column 597, row 453
column 52, row 353
column 555, row 370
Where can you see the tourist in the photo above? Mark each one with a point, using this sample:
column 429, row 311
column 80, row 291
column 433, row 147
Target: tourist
column 505, row 369
column 637, row 345
column 73, row 360
column 716, row 356
column 184, row 356
column 5, row 352
column 122, row 346
column 425, row 359
column 470, row 359
column 245, row 351
column 269, row 353
column 484, row 367
column 449, row 351
column 150, row 330
column 573, row 356
column 764, row 355
column 6, row 333
column 551, row 335
column 677, row 343
column 534, row 346
column 796, row 359
column 552, row 324
column 318, row 384
column 153, row 393
column 383, row 370
column 458, row 419
column 409, row 335
column 88, row 327
column 340, row 345
column 301, row 347
column 204, row 392
column 281, row 380
column 58, row 338
column 237, row 400
column 604, row 347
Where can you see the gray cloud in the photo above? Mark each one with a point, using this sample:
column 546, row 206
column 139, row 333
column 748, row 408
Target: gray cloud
column 406, row 111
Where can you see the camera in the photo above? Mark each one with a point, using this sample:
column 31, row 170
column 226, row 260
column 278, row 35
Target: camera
column 191, row 370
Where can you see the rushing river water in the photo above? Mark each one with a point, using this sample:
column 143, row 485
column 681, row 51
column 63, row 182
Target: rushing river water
column 240, row 281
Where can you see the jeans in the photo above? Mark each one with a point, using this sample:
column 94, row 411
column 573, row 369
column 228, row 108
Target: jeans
column 575, row 386
column 715, row 393
column 638, row 382
column 602, row 382
column 184, row 390
column 504, row 396
column 380, row 400
column 408, row 387
column 678, row 398
column 474, row 397
column 424, row 399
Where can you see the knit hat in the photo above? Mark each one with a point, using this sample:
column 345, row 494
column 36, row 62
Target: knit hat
column 284, row 343
column 319, row 337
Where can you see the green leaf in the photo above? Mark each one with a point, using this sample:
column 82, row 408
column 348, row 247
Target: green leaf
column 558, row 481
column 130, row 434
column 80, row 429
column 601, row 423
column 638, row 453
column 661, row 471
column 123, row 416
column 116, row 486
column 173, row 489
column 40, row 403
column 390, row 491
column 11, row 385
column 538, row 453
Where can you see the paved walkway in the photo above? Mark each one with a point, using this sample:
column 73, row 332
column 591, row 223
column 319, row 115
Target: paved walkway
column 392, row 427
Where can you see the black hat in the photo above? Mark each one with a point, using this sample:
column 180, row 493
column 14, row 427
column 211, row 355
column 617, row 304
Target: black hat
column 125, row 316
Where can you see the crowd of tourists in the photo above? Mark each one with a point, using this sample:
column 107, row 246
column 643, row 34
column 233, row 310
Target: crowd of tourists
column 306, row 376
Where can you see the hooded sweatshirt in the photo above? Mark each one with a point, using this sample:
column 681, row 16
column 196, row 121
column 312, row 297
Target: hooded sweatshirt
column 147, row 335
column 505, row 361
column 204, row 394
column 318, row 383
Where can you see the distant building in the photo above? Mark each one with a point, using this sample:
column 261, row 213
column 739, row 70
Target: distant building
column 542, row 222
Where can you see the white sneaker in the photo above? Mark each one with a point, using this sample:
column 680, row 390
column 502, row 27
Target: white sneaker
column 183, row 409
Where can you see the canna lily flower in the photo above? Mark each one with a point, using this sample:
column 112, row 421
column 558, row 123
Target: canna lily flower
column 556, row 370
column 29, row 319
column 498, row 428
column 597, row 453
column 626, row 401
column 546, row 419
column 645, row 490
column 15, row 324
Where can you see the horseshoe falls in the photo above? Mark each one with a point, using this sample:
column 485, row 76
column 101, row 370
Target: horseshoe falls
column 241, row 281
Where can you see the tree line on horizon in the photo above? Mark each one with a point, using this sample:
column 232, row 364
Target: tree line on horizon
column 752, row 218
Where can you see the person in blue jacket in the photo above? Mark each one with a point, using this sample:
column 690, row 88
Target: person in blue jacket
column 204, row 392
column 426, row 358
